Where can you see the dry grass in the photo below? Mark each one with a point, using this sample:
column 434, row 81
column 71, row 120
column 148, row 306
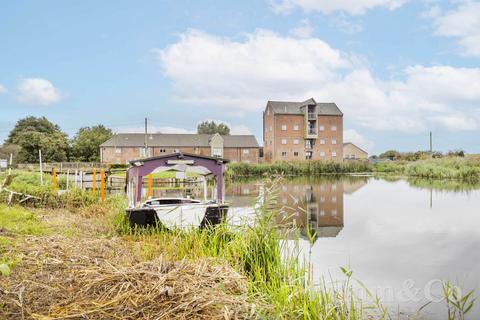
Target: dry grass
column 62, row 278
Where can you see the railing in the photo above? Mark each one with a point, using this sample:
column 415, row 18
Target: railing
column 311, row 131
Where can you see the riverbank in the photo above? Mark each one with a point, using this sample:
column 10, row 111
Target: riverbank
column 462, row 168
column 65, row 263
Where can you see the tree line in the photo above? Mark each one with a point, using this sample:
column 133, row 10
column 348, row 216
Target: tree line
column 32, row 134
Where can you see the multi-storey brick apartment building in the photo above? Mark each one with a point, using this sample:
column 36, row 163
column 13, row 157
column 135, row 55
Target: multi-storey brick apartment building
column 302, row 131
column 123, row 147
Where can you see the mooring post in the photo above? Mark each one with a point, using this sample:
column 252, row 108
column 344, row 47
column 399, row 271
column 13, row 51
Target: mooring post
column 149, row 190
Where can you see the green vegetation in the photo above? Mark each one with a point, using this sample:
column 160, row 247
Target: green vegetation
column 296, row 168
column 18, row 220
column 461, row 168
column 211, row 127
column 87, row 141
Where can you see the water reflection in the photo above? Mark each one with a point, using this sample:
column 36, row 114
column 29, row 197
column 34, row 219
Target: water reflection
column 400, row 237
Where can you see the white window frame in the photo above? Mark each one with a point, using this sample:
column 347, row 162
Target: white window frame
column 295, row 141
column 334, row 127
column 284, row 153
column 322, row 141
column 296, row 127
column 334, row 153
column 322, row 153
column 118, row 150
column 295, row 153
column 321, row 128
column 334, row 141
column 284, row 127
column 217, row 152
column 284, row 141
column 246, row 151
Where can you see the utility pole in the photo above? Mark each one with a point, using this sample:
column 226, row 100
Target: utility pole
column 431, row 149
column 146, row 138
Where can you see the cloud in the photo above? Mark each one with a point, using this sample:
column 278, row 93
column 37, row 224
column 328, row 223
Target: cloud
column 303, row 30
column 37, row 91
column 3, row 89
column 239, row 76
column 154, row 129
column 462, row 23
column 353, row 7
column 345, row 25
column 353, row 136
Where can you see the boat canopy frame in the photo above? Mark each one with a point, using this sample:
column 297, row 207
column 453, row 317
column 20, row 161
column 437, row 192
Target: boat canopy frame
column 143, row 167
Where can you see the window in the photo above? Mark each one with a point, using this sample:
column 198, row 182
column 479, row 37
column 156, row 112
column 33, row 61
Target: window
column 334, row 212
column 334, row 127
column 284, row 127
column 162, row 151
column 322, row 212
column 322, row 141
column 295, row 141
column 271, row 129
column 334, row 187
column 321, row 128
column 296, row 127
column 322, row 199
column 284, row 141
column 176, row 150
column 334, row 153
column 268, row 111
column 217, row 152
column 295, row 154
column 141, row 152
column 308, row 155
column 284, row 153
column 308, row 144
column 334, row 141
column 118, row 150
column 334, row 199
column 246, row 151
column 322, row 153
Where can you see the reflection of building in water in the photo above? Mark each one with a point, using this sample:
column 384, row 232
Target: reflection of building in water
column 242, row 194
column 318, row 206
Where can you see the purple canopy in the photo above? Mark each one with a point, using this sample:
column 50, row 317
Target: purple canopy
column 144, row 167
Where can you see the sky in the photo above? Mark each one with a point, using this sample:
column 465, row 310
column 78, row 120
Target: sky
column 398, row 69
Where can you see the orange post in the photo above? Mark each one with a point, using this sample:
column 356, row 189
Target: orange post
column 54, row 174
column 149, row 192
column 102, row 186
column 94, row 180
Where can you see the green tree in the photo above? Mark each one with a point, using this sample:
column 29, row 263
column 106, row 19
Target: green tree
column 32, row 134
column 86, row 143
column 8, row 149
column 210, row 127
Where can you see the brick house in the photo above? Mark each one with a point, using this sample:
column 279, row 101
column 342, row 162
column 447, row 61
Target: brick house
column 302, row 131
column 123, row 147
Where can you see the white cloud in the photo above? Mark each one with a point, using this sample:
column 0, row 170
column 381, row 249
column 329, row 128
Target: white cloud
column 303, row 30
column 345, row 25
column 154, row 129
column 353, row 7
column 462, row 23
column 3, row 89
column 37, row 91
column 240, row 76
column 353, row 136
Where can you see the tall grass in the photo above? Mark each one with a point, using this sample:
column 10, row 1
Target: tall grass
column 279, row 281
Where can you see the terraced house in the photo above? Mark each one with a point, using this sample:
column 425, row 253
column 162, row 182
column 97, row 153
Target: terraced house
column 307, row 130
column 123, row 147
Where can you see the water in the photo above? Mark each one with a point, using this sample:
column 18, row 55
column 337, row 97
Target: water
column 401, row 238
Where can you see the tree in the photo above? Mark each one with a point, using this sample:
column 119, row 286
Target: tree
column 87, row 141
column 32, row 134
column 210, row 127
column 8, row 149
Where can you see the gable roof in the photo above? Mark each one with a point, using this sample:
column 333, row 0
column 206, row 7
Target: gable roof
column 345, row 143
column 178, row 140
column 290, row 107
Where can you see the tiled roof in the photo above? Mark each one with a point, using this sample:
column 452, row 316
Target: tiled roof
column 289, row 107
column 178, row 140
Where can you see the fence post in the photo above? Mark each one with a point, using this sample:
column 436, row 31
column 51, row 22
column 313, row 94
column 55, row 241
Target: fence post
column 102, row 185
column 94, row 180
column 68, row 177
column 81, row 180
column 75, row 179
column 54, row 180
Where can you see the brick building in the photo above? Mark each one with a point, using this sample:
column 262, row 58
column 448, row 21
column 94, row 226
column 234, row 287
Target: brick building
column 123, row 147
column 353, row 152
column 302, row 131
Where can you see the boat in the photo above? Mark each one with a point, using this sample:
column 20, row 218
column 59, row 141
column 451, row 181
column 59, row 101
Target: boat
column 177, row 212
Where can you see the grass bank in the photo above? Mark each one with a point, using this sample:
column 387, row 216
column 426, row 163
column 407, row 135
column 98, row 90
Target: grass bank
column 440, row 168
